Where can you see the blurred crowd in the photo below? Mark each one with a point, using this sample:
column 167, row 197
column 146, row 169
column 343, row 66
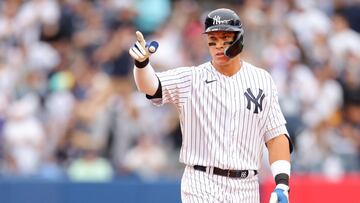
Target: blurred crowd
column 69, row 107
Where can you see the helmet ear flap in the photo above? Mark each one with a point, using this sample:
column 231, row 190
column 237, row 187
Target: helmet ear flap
column 236, row 47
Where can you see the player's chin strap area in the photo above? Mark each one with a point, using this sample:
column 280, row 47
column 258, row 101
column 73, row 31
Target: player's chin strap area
column 236, row 47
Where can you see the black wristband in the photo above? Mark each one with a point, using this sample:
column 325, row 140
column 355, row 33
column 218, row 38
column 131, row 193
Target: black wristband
column 282, row 178
column 142, row 64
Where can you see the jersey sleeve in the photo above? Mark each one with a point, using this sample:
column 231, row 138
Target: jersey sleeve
column 175, row 86
column 275, row 123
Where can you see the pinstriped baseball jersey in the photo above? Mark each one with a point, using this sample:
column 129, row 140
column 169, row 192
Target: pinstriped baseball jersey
column 225, row 121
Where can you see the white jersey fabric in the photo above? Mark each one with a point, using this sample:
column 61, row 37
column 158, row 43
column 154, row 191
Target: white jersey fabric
column 225, row 121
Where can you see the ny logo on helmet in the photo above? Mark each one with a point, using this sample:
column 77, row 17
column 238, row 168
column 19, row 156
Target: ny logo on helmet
column 256, row 100
column 218, row 21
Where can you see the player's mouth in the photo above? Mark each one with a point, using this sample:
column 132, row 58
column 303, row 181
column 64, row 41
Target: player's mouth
column 220, row 55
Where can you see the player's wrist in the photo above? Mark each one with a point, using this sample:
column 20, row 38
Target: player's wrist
column 142, row 64
column 281, row 172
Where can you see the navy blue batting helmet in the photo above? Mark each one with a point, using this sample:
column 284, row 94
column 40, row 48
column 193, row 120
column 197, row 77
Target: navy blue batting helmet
column 227, row 20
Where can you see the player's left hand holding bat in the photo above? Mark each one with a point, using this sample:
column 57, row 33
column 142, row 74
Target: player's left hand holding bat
column 280, row 194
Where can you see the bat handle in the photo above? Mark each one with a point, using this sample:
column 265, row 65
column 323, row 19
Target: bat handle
column 152, row 46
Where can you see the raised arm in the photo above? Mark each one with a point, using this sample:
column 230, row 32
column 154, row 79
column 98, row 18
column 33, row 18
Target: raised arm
column 144, row 74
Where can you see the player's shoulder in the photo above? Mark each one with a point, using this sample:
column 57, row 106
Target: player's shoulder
column 196, row 69
column 257, row 70
column 185, row 71
column 203, row 67
column 178, row 70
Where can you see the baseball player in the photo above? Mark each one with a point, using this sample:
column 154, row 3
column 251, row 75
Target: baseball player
column 228, row 110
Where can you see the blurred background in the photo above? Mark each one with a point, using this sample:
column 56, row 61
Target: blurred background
column 73, row 127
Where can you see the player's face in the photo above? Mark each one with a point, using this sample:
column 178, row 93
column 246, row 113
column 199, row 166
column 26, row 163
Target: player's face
column 218, row 42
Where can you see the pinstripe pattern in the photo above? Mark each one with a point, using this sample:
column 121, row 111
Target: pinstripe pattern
column 218, row 128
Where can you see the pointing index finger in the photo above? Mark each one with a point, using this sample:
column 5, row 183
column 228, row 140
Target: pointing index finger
column 140, row 38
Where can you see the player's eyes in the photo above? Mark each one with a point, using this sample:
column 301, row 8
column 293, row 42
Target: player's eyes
column 212, row 43
column 226, row 40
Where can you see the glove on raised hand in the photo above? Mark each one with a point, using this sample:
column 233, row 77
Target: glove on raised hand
column 141, row 51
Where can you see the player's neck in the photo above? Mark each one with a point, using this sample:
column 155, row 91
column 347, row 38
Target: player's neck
column 229, row 69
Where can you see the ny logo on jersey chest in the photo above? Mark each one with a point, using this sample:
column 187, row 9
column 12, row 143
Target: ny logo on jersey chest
column 257, row 101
